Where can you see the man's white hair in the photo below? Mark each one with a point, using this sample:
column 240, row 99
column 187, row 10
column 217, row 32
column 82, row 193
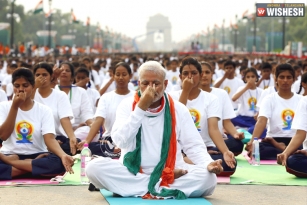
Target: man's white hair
column 152, row 66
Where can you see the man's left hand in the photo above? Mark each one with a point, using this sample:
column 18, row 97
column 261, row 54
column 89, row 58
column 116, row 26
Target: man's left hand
column 215, row 166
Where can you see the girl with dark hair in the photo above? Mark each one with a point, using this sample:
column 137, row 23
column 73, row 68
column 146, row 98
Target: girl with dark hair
column 83, row 81
column 110, row 85
column 59, row 104
column 105, row 113
column 27, row 129
column 229, row 82
column 205, row 111
column 233, row 139
column 247, row 96
column 297, row 163
column 80, row 104
column 277, row 111
column 303, row 85
column 298, row 86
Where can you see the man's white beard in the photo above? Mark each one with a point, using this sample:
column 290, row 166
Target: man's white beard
column 158, row 97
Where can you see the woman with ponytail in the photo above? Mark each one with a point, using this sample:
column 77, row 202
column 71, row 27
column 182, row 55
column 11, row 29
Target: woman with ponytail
column 303, row 85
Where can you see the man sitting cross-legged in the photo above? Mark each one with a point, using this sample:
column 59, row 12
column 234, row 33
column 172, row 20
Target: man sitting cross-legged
column 151, row 129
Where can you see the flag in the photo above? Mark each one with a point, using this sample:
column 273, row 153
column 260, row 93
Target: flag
column 39, row 7
column 73, row 17
column 49, row 13
column 98, row 29
column 216, row 26
column 245, row 15
column 252, row 17
column 88, row 21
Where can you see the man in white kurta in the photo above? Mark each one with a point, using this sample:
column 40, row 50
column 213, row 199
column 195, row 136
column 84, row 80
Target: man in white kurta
column 195, row 181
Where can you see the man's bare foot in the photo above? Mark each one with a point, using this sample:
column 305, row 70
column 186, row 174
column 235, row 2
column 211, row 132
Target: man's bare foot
column 179, row 173
column 8, row 159
column 116, row 150
column 42, row 155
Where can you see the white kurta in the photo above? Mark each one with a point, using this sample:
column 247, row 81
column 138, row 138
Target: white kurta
column 114, row 176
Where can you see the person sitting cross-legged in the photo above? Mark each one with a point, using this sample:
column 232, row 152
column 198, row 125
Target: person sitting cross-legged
column 151, row 129
column 28, row 133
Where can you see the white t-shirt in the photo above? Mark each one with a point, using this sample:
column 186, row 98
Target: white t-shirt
column 95, row 77
column 280, row 113
column 219, row 73
column 29, row 129
column 248, row 101
column 80, row 104
column 9, row 89
column 113, row 86
column 172, row 76
column 300, row 120
column 60, row 107
column 107, row 107
column 3, row 96
column 101, row 75
column 202, row 108
column 266, row 83
column 7, row 79
column 231, row 86
column 2, row 76
column 225, row 104
column 93, row 95
column 296, row 87
column 265, row 93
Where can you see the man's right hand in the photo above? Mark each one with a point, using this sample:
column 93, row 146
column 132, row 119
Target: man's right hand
column 147, row 97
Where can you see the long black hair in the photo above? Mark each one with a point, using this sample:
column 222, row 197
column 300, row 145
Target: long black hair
column 303, row 80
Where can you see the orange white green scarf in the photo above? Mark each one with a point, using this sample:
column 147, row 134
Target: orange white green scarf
column 165, row 167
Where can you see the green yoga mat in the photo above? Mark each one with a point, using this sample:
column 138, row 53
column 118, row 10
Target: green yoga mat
column 263, row 174
column 73, row 179
column 139, row 201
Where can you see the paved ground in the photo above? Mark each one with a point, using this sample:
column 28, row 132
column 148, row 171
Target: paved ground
column 223, row 195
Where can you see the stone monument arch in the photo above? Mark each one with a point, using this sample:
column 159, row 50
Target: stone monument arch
column 159, row 37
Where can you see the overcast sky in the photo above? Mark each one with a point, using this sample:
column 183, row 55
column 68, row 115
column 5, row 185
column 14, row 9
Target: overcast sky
column 130, row 16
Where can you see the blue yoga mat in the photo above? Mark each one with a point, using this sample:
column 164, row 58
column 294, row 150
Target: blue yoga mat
column 139, row 201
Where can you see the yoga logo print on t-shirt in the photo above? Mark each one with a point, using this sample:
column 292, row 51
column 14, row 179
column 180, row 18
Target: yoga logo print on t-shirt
column 196, row 118
column 287, row 116
column 252, row 103
column 174, row 80
column 227, row 89
column 24, row 131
